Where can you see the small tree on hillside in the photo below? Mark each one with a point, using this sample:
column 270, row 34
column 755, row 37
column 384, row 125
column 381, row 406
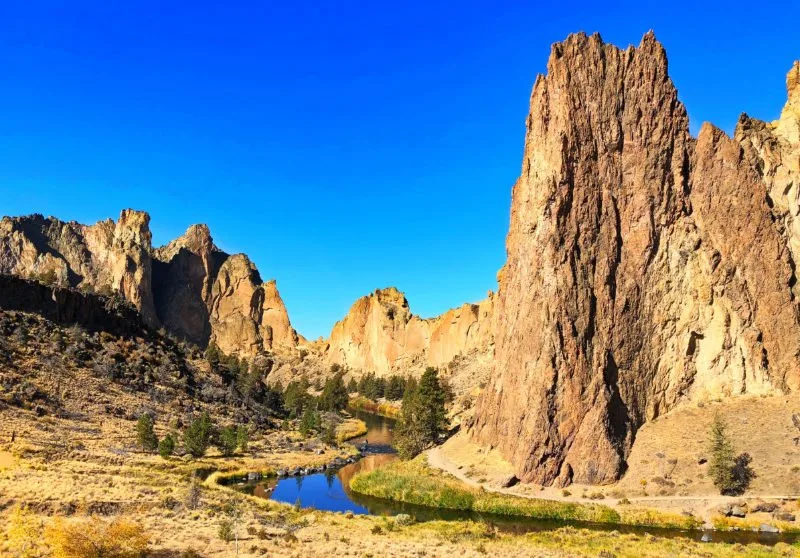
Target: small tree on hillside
column 166, row 446
column 227, row 440
column 145, row 435
column 731, row 475
column 310, row 421
column 721, row 462
column 198, row 436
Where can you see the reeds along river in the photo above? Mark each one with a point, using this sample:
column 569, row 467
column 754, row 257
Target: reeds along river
column 330, row 491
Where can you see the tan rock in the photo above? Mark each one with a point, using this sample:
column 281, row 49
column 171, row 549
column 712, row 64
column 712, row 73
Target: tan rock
column 246, row 316
column 381, row 335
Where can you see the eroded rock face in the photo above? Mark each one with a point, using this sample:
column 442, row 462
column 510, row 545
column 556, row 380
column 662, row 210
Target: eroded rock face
column 645, row 268
column 189, row 286
column 183, row 274
column 246, row 315
column 381, row 335
column 103, row 257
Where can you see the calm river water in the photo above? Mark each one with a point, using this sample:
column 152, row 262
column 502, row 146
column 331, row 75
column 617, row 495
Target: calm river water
column 330, row 491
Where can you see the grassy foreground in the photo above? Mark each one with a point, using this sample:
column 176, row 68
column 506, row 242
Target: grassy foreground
column 415, row 482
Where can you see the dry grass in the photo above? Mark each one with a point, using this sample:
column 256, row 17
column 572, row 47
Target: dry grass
column 349, row 429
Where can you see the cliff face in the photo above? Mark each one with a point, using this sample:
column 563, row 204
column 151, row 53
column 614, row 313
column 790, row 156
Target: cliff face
column 183, row 274
column 644, row 268
column 106, row 256
column 189, row 286
column 381, row 335
column 247, row 316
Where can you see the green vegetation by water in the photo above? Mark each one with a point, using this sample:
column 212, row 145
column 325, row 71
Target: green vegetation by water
column 414, row 482
column 383, row 409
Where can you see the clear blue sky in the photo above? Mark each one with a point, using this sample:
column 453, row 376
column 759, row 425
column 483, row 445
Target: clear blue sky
column 343, row 145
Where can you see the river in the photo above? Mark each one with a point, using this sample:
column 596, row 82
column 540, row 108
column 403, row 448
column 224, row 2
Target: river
column 330, row 491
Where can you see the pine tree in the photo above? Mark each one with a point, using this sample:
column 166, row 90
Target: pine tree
column 334, row 396
column 722, row 459
column 166, row 446
column 310, row 421
column 423, row 417
column 145, row 434
column 198, row 436
column 227, row 441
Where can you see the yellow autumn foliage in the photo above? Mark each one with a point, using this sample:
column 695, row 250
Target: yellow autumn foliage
column 24, row 534
column 96, row 538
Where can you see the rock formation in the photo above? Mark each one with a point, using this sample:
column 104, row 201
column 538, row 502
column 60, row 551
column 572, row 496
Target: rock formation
column 189, row 286
column 183, row 274
column 248, row 316
column 644, row 268
column 107, row 256
column 381, row 335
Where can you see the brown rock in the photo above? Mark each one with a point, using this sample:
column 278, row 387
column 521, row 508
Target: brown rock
column 183, row 274
column 644, row 268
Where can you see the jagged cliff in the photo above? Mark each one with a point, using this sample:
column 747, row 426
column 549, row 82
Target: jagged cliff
column 189, row 286
column 644, row 268
column 381, row 335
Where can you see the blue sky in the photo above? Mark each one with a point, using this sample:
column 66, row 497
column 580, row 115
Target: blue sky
column 344, row 146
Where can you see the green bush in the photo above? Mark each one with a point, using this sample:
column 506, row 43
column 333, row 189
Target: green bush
column 145, row 435
column 167, row 446
column 227, row 441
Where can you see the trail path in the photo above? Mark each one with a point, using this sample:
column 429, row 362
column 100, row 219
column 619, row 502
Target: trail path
column 701, row 506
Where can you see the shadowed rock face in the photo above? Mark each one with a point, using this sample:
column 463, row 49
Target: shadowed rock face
column 248, row 316
column 644, row 268
column 183, row 274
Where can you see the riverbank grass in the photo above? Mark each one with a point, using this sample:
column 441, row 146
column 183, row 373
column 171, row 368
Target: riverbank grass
column 414, row 482
column 385, row 409
column 349, row 429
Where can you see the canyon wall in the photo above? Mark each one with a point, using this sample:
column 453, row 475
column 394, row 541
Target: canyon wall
column 380, row 334
column 644, row 267
column 189, row 287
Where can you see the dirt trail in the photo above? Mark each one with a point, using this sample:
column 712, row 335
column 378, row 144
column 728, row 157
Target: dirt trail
column 702, row 506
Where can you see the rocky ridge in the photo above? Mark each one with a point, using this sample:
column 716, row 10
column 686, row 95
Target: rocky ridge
column 189, row 287
column 380, row 334
column 645, row 268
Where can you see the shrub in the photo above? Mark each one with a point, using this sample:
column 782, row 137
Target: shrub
column 166, row 446
column 145, row 434
column 226, row 530
column 24, row 533
column 227, row 441
column 95, row 538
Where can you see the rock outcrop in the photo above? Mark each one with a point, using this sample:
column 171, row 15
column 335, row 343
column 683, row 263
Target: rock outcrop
column 246, row 315
column 190, row 287
column 644, row 268
column 184, row 272
column 68, row 306
column 103, row 257
column 381, row 335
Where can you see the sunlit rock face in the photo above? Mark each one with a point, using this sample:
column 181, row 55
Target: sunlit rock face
column 189, row 286
column 380, row 334
column 644, row 267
